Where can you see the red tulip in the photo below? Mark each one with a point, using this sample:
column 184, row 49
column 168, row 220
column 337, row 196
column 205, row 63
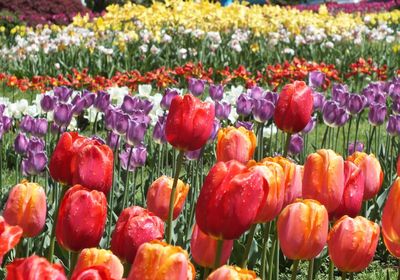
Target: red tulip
column 26, row 207
column 203, row 248
column 352, row 243
column 97, row 272
column 353, row 191
column 80, row 160
column 189, row 122
column 372, row 171
column 34, row 268
column 229, row 200
column 81, row 218
column 390, row 220
column 134, row 227
column 9, row 237
column 294, row 107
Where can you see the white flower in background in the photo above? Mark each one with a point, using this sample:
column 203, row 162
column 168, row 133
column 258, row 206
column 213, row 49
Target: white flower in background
column 214, row 37
column 91, row 114
column 270, row 131
column 233, row 115
column 214, row 47
column 144, row 48
column 358, row 41
column 192, row 52
column 198, row 33
column 367, row 19
column 336, row 38
column 288, row 51
column 144, row 90
column 390, row 39
column 73, row 124
column 146, row 36
column 328, row 45
column 154, row 50
column 156, row 111
column 299, row 40
column 182, row 53
column 32, row 111
column 117, row 94
column 232, row 95
column 166, row 38
column 50, row 116
column 57, row 65
column 235, row 45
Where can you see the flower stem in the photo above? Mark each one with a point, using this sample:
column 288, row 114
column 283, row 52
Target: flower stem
column 206, row 272
column 249, row 242
column 265, row 249
column 178, row 166
column 126, row 188
column 310, row 269
column 330, row 273
column 218, row 253
column 294, row 269
column 398, row 272
column 285, row 151
column 74, row 259
column 344, row 275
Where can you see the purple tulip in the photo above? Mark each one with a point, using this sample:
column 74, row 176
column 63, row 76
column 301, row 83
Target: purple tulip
column 355, row 104
column 214, row 133
column 319, row 100
column 34, row 163
column 7, row 122
column 88, row 97
column 222, row 110
column 62, row 93
column 159, row 130
column 26, row 124
column 310, row 126
column 246, row 125
column 110, row 118
column 63, row 114
column 340, row 94
column 102, row 101
column 40, row 127
column 113, row 140
column 21, row 143
column 137, row 158
column 271, row 96
column 377, row 114
column 193, row 155
column 296, row 144
column 78, row 105
column 2, row 109
column 135, row 133
column 216, row 92
column 263, row 110
column 256, row 92
column 166, row 100
column 55, row 129
column 36, row 144
column 393, row 125
column 196, row 86
column 342, row 117
column 121, row 122
column 316, row 79
column 145, row 105
column 359, row 147
column 47, row 103
column 371, row 91
column 129, row 104
column 396, row 107
column 244, row 105
column 329, row 112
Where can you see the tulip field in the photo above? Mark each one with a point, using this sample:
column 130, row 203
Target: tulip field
column 184, row 140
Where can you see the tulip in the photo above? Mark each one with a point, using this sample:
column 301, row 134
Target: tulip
column 34, row 267
column 26, row 124
column 227, row 272
column 303, row 229
column 353, row 191
column 316, row 79
column 62, row 93
column 166, row 100
column 26, row 207
column 34, row 163
column 293, row 176
column 216, row 92
column 196, row 86
column 134, row 227
column 159, row 131
column 340, row 94
column 229, row 200
column 296, row 144
column 203, row 248
column 157, row 260
column 222, row 110
column 47, row 103
column 97, row 272
column 323, row 178
column 138, row 158
column 189, row 123
column 352, row 243
column 99, row 257
column 246, row 125
column 236, row 143
column 81, row 218
column 159, row 194
column 102, row 101
column 9, row 237
column 390, row 221
column 377, row 114
column 21, row 143
column 63, row 114
column 294, row 107
column 263, row 110
column 355, row 147
column 371, row 170
column 244, row 105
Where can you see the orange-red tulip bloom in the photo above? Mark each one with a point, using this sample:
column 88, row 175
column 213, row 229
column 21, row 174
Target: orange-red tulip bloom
column 323, row 178
column 229, row 200
column 227, row 272
column 189, row 122
column 99, row 257
column 294, row 107
column 203, row 248
column 372, row 171
column 34, row 268
column 81, row 218
column 390, row 220
column 26, row 207
column 303, row 229
column 97, row 272
column 157, row 260
column 352, row 243
column 9, row 237
column 236, row 143
column 159, row 194
column 134, row 227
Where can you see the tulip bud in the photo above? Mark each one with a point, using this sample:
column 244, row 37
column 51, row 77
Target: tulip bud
column 244, row 105
column 377, row 114
column 203, row 248
column 21, row 143
column 390, row 228
column 352, row 243
column 340, row 93
column 160, row 261
column 196, row 86
column 296, row 144
column 47, row 103
column 9, row 237
column 34, row 267
column 159, row 131
column 235, row 143
column 222, row 110
column 323, row 178
column 99, row 257
column 135, row 132
column 40, row 127
column 75, row 229
column 134, row 227
column 216, row 92
column 63, row 114
column 102, row 101
column 227, row 272
column 303, row 229
column 96, row 272
column 371, row 170
column 159, row 194
column 263, row 110
column 26, row 124
column 316, row 79
column 166, row 100
column 62, row 93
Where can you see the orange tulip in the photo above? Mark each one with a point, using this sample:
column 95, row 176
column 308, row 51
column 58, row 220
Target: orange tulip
column 203, row 248
column 227, row 272
column 352, row 243
column 99, row 257
column 390, row 221
column 157, row 260
column 303, row 229
column 323, row 178
column 273, row 176
column 9, row 237
column 26, row 207
column 293, row 174
column 159, row 194
column 235, row 143
column 372, row 171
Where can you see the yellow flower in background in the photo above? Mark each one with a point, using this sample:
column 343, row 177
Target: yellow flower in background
column 255, row 47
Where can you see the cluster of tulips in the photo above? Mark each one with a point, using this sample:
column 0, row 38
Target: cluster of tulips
column 302, row 209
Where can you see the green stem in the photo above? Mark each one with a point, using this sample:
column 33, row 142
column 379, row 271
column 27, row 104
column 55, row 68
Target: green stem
column 330, row 273
column 206, row 272
column 172, row 198
column 370, row 139
column 285, row 151
column 351, row 276
column 126, row 189
column 398, row 272
column 294, row 269
column 344, row 275
column 73, row 261
column 271, row 258
column 357, row 125
column 94, row 130
column 218, row 253
column 265, row 249
column 249, row 242
column 310, row 269
column 348, row 135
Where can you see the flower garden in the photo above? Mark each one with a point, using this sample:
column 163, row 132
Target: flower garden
column 188, row 140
